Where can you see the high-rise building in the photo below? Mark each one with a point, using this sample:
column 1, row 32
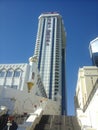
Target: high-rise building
column 94, row 51
column 50, row 51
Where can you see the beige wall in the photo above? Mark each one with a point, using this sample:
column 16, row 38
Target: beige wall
column 87, row 77
column 86, row 97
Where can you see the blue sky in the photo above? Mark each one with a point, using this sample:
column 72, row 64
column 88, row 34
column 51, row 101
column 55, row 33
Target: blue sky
column 18, row 29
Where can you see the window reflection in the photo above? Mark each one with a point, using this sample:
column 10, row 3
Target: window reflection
column 9, row 73
column 2, row 73
column 17, row 73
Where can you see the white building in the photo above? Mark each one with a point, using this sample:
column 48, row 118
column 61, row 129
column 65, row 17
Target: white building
column 22, row 95
column 14, row 80
column 21, row 89
column 14, row 75
column 50, row 51
column 86, row 98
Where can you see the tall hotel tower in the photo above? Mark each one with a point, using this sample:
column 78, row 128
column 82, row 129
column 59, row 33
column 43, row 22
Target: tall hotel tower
column 50, row 51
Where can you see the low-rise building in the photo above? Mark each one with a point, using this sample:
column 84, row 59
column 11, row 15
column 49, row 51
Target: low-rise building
column 86, row 98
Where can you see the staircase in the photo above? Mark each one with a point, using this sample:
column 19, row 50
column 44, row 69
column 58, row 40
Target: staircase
column 57, row 122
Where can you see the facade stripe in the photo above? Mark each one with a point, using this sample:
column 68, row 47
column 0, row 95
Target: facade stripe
column 51, row 67
column 39, row 62
column 64, row 111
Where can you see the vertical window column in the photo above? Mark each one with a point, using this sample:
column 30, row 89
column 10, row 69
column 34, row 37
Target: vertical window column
column 40, row 54
column 51, row 67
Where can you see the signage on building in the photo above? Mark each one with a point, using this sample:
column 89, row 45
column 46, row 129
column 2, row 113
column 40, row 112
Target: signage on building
column 48, row 31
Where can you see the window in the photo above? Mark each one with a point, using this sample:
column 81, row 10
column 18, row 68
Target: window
column 56, row 80
column 17, row 73
column 56, row 69
column 49, row 19
column 56, row 86
column 2, row 73
column 56, row 89
column 56, row 83
column 9, row 73
column 33, row 75
column 57, row 73
column 49, row 25
column 57, row 77
column 55, row 93
column 57, row 66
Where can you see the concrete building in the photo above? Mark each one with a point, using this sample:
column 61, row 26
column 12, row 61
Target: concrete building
column 14, row 80
column 13, row 75
column 22, row 95
column 86, row 98
column 94, row 51
column 50, row 51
